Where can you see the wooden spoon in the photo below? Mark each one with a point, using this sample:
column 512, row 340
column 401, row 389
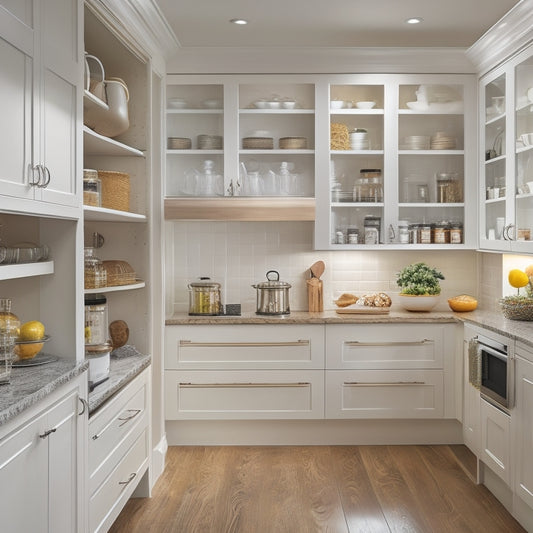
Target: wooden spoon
column 317, row 269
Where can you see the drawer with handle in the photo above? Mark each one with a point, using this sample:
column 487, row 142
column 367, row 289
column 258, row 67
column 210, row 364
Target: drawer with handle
column 114, row 426
column 264, row 394
column 244, row 347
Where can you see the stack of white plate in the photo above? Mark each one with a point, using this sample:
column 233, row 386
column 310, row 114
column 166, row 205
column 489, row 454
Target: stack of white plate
column 442, row 141
column 416, row 142
column 359, row 140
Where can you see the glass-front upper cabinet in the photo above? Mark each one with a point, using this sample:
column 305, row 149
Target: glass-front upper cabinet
column 506, row 156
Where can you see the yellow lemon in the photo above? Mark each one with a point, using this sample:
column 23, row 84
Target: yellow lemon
column 517, row 278
column 28, row 351
column 31, row 331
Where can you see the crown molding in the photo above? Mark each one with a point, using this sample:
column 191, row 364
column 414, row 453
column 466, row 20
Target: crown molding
column 140, row 24
column 510, row 35
column 318, row 60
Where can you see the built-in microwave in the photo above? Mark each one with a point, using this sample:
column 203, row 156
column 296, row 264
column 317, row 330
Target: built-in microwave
column 497, row 373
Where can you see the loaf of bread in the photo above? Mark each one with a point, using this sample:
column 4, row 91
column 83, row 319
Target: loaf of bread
column 379, row 299
column 346, row 299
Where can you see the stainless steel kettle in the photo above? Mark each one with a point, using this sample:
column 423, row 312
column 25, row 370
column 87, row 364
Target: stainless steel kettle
column 272, row 295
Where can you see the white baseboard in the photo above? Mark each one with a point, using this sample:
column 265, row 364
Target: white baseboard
column 159, row 453
column 312, row 432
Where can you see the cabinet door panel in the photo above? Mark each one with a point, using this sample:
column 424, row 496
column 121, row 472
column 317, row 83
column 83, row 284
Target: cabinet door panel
column 496, row 440
column 15, row 109
column 23, row 480
column 20, row 9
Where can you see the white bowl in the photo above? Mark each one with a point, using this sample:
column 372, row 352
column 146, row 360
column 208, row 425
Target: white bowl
column 274, row 105
column 288, row 104
column 336, row 104
column 365, row 105
column 212, row 104
column 425, row 302
column 177, row 103
column 260, row 104
column 417, row 106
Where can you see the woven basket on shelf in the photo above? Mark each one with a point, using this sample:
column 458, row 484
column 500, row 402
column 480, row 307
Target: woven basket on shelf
column 179, row 143
column 209, row 142
column 518, row 311
column 115, row 189
column 118, row 273
column 258, row 143
column 293, row 143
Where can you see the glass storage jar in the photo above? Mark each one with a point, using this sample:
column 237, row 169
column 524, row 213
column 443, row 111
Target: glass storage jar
column 95, row 275
column 204, row 297
column 449, row 188
column 441, row 233
column 96, row 319
column 92, row 187
column 9, row 329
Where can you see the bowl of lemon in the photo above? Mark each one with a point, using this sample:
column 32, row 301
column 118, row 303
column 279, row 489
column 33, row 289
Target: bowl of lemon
column 519, row 306
column 30, row 340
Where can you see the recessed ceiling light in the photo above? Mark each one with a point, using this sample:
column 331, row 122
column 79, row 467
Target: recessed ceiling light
column 238, row 21
column 414, row 20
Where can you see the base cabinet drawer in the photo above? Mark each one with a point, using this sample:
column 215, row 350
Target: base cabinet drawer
column 390, row 346
column 228, row 395
column 385, row 394
column 244, row 347
column 107, row 501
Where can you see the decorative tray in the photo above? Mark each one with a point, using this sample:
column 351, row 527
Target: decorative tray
column 362, row 310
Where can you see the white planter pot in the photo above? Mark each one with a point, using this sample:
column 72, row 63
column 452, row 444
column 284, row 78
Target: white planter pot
column 424, row 302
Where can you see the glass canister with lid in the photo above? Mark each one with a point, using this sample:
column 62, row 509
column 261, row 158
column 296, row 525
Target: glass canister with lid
column 95, row 274
column 9, row 330
column 204, row 297
column 92, row 188
column 96, row 319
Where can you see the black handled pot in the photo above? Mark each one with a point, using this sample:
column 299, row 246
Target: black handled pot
column 272, row 295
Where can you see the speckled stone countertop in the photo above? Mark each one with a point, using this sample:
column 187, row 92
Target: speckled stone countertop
column 121, row 372
column 495, row 321
column 31, row 384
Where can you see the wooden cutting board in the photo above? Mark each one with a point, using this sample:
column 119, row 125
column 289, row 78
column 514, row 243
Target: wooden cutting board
column 360, row 310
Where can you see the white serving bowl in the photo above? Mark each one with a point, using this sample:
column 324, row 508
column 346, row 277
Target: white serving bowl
column 177, row 103
column 365, row 105
column 260, row 104
column 274, row 105
column 212, row 104
column 417, row 106
column 336, row 104
column 288, row 104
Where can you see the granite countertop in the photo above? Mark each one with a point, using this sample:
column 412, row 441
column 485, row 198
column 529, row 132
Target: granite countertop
column 122, row 370
column 492, row 320
column 29, row 385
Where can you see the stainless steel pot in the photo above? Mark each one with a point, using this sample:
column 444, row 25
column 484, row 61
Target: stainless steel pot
column 272, row 295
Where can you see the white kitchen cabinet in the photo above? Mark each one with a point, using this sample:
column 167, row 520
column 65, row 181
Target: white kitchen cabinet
column 399, row 130
column 40, row 46
column 244, row 372
column 118, row 450
column 41, row 479
column 390, row 370
column 471, row 396
column 523, row 424
column 496, row 440
column 506, row 162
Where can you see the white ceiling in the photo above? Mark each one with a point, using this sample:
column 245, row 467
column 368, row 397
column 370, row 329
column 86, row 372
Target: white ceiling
column 332, row 23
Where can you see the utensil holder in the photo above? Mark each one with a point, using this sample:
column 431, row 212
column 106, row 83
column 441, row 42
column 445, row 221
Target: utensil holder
column 315, row 295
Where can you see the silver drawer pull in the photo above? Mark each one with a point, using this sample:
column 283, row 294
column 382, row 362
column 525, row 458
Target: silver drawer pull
column 190, row 344
column 48, row 432
column 393, row 384
column 400, row 343
column 129, row 480
column 127, row 418
column 241, row 385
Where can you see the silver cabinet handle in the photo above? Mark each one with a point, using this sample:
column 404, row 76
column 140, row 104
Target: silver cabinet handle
column 190, row 344
column 384, row 384
column 84, row 404
column 48, row 432
column 242, row 385
column 129, row 480
column 130, row 417
column 400, row 343
column 46, row 172
column 34, row 172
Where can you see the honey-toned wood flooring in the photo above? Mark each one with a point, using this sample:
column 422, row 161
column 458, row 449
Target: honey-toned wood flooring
column 307, row 489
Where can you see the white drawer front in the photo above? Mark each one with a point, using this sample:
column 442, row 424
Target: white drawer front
column 113, row 428
column 244, row 347
column 385, row 394
column 108, row 500
column 394, row 346
column 244, row 395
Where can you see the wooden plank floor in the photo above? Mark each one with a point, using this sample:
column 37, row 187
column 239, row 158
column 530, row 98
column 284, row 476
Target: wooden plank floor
column 307, row 489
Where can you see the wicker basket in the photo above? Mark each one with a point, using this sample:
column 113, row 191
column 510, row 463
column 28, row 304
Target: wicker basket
column 258, row 143
column 209, row 142
column 293, row 143
column 179, row 143
column 518, row 311
column 115, row 189
column 119, row 273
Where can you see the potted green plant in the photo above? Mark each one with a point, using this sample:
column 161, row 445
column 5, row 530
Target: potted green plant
column 420, row 286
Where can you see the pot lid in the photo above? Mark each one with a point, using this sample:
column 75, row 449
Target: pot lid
column 273, row 282
column 205, row 283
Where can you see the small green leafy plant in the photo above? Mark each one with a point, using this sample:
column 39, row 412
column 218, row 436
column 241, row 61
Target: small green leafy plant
column 418, row 279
